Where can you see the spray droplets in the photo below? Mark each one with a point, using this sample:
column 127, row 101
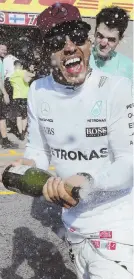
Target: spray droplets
column 116, row 15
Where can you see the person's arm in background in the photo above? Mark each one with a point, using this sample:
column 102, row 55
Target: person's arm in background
column 3, row 90
column 28, row 76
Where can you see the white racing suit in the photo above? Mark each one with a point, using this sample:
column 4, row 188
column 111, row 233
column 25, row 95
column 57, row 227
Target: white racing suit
column 89, row 129
column 102, row 259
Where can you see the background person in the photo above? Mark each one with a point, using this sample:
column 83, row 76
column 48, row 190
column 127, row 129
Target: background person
column 111, row 23
column 20, row 82
column 4, row 101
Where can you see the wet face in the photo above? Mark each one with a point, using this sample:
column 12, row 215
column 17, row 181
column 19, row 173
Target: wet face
column 70, row 61
column 3, row 51
column 106, row 40
column 37, row 54
column 31, row 68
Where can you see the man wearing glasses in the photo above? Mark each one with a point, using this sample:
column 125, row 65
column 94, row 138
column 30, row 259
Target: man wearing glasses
column 84, row 132
column 111, row 23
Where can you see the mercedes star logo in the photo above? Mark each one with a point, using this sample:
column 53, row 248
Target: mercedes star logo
column 45, row 108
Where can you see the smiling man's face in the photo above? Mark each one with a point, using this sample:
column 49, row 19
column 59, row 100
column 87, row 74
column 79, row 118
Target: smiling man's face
column 3, row 50
column 70, row 61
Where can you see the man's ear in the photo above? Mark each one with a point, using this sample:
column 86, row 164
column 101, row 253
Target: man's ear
column 91, row 38
column 122, row 37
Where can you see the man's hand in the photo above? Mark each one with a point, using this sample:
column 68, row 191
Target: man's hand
column 54, row 190
column 6, row 99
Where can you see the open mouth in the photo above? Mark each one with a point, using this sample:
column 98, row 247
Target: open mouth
column 73, row 65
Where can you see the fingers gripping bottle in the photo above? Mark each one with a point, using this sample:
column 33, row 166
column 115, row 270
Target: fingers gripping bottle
column 30, row 181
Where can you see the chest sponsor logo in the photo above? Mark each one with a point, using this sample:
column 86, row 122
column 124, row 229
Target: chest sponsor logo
column 49, row 131
column 78, row 155
column 96, row 110
column 130, row 115
column 131, row 125
column 96, row 131
column 105, row 234
column 46, row 119
column 45, row 108
column 130, row 106
column 96, row 120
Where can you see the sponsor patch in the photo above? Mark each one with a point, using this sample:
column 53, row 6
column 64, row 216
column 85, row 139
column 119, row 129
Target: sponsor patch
column 96, row 243
column 130, row 106
column 111, row 246
column 78, row 155
column 45, row 108
column 46, row 119
column 96, row 131
column 105, row 234
column 96, row 110
column 49, row 131
column 96, row 120
column 131, row 125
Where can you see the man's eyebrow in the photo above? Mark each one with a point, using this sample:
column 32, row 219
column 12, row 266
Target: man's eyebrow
column 112, row 38
column 99, row 33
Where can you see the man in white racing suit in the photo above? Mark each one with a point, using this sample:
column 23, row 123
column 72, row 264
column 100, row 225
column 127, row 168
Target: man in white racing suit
column 81, row 121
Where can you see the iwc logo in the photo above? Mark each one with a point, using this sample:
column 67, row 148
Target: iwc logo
column 45, row 108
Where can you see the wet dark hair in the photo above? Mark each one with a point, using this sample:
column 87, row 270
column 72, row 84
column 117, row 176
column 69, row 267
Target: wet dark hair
column 17, row 62
column 113, row 17
column 3, row 42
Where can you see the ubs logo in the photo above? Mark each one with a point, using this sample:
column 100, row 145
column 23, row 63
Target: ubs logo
column 49, row 131
column 45, row 108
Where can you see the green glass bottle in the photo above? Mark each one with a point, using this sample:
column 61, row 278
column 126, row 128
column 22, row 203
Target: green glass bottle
column 30, row 181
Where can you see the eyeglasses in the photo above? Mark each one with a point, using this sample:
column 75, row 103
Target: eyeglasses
column 57, row 41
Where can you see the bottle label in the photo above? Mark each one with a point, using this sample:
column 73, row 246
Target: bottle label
column 19, row 169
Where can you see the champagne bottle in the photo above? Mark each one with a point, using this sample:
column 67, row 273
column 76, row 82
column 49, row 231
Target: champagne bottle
column 30, row 181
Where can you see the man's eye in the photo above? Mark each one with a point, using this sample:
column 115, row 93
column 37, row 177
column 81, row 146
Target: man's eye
column 112, row 40
column 100, row 36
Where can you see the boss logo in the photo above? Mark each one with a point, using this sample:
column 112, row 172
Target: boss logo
column 96, row 131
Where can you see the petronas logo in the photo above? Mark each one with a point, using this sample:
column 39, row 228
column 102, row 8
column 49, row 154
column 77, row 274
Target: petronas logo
column 96, row 110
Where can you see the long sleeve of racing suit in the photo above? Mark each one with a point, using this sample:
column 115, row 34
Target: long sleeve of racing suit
column 37, row 147
column 119, row 175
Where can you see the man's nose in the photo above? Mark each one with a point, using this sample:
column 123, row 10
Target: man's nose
column 104, row 41
column 69, row 47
